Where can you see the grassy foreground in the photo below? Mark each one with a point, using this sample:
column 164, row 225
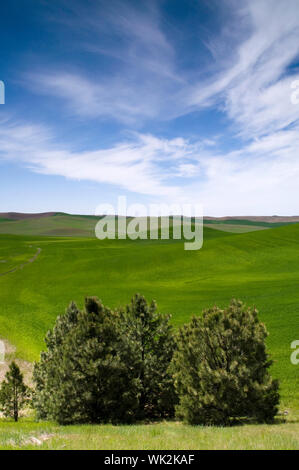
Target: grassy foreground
column 261, row 268
column 162, row 436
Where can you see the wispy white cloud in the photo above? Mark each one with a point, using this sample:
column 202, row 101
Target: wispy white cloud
column 251, row 84
column 248, row 80
column 133, row 165
column 255, row 90
column 139, row 85
column 261, row 178
column 263, row 175
column 255, row 94
column 107, row 97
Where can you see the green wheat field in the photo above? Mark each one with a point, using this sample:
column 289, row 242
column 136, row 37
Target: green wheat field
column 45, row 263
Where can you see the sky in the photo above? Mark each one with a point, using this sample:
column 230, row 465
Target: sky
column 161, row 101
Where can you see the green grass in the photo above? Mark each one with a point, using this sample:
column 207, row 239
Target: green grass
column 57, row 225
column 14, row 254
column 158, row 436
column 68, row 225
column 257, row 223
column 236, row 228
column 261, row 268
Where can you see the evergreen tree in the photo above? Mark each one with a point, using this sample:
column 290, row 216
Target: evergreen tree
column 14, row 394
column 45, row 372
column 106, row 366
column 151, row 333
column 221, row 367
column 84, row 376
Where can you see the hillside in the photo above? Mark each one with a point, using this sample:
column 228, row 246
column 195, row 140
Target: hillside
column 53, row 224
column 270, row 219
column 22, row 215
column 68, row 225
column 261, row 268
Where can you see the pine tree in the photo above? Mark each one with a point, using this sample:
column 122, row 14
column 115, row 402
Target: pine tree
column 14, row 394
column 151, row 333
column 84, row 376
column 220, row 368
column 45, row 374
column 106, row 366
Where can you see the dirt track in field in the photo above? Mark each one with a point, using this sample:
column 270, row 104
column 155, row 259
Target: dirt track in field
column 21, row 266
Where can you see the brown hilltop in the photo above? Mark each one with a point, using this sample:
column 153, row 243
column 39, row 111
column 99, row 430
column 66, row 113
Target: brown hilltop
column 252, row 218
column 258, row 218
column 22, row 216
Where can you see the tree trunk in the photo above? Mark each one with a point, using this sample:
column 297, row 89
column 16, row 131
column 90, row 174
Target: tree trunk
column 15, row 406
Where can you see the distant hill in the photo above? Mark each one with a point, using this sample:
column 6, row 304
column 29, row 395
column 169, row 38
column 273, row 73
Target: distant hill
column 257, row 218
column 60, row 224
column 48, row 224
column 22, row 216
column 230, row 219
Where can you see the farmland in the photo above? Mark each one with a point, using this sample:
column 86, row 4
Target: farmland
column 259, row 267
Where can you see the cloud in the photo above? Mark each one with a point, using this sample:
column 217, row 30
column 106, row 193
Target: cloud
column 261, row 176
column 255, row 91
column 248, row 79
column 135, row 85
column 133, row 165
column 250, row 82
column 187, row 170
column 109, row 98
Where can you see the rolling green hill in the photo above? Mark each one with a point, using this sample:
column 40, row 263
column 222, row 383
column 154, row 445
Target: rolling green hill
column 55, row 225
column 236, row 228
column 256, row 223
column 259, row 267
column 67, row 225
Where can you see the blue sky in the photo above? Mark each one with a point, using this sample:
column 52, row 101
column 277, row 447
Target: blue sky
column 171, row 101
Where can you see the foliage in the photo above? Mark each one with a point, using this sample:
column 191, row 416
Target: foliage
column 84, row 377
column 106, row 366
column 14, row 394
column 221, row 368
column 151, row 333
column 261, row 267
column 47, row 373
